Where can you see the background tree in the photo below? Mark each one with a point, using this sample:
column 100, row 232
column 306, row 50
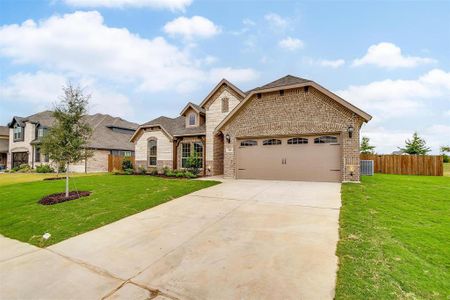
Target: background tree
column 67, row 139
column 415, row 146
column 444, row 150
column 366, row 148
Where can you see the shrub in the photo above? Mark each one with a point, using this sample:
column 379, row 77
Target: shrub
column 127, row 164
column 142, row 170
column 128, row 171
column 193, row 163
column 446, row 158
column 24, row 168
column 44, row 169
column 188, row 174
column 179, row 174
column 170, row 173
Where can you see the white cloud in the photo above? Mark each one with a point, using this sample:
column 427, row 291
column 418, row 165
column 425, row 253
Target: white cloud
column 388, row 140
column 234, row 75
column 388, row 55
column 276, row 21
column 189, row 28
column 80, row 43
column 290, row 43
column 173, row 5
column 394, row 98
column 332, row 63
column 42, row 90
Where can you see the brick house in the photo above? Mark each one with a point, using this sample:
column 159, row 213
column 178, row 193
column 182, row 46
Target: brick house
column 289, row 129
column 4, row 146
column 110, row 135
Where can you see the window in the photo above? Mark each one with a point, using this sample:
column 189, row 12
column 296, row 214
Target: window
column 225, row 105
column 122, row 153
column 198, row 148
column 258, row 95
column 326, row 139
column 18, row 133
column 296, row 141
column 249, row 143
column 152, row 152
column 37, row 154
column 192, row 119
column 271, row 142
column 41, row 132
column 281, row 92
column 185, row 153
column 46, row 158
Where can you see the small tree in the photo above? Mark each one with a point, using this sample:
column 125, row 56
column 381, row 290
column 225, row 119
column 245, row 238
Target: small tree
column 67, row 140
column 444, row 150
column 193, row 163
column 366, row 148
column 415, row 146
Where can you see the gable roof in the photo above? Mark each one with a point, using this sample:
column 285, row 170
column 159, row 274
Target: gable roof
column 172, row 127
column 281, row 82
column 195, row 107
column 291, row 82
column 103, row 135
column 214, row 90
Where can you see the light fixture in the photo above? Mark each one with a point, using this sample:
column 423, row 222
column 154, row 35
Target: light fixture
column 227, row 137
column 350, row 130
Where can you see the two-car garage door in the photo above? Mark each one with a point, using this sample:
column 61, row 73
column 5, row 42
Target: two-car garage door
column 308, row 158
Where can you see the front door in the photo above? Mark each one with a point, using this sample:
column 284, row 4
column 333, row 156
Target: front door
column 19, row 158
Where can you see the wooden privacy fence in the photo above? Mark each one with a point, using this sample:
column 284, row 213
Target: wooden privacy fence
column 115, row 162
column 429, row 165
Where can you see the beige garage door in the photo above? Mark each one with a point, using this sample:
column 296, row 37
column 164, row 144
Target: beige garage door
column 308, row 158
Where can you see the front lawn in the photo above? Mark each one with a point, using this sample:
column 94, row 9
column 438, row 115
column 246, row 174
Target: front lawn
column 11, row 178
column 395, row 238
column 112, row 198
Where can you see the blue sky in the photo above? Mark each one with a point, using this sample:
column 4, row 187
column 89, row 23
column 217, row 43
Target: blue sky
column 140, row 59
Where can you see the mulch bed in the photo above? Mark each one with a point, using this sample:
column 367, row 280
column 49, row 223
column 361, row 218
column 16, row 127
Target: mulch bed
column 54, row 178
column 61, row 197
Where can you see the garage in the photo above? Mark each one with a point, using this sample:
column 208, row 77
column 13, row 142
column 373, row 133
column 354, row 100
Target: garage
column 305, row 158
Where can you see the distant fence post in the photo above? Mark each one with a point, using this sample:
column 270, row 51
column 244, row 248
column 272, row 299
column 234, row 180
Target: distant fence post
column 428, row 165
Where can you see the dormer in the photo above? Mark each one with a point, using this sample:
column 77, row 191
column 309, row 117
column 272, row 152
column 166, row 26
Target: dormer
column 194, row 115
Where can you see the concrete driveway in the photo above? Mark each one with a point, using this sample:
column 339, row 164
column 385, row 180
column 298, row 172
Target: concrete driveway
column 242, row 239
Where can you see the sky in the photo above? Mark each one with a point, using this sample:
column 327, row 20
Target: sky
column 140, row 59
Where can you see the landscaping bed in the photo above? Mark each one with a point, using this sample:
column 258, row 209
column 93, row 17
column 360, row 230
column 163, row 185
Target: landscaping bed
column 61, row 197
column 394, row 241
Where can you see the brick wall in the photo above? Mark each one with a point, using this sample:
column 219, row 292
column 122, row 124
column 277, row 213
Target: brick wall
column 297, row 112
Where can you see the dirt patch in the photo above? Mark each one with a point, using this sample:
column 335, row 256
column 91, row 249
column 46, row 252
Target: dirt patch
column 61, row 197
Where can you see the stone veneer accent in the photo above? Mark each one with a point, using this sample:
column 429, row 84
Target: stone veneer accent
column 214, row 116
column 164, row 155
column 296, row 113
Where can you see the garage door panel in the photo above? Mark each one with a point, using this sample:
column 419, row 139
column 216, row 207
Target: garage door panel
column 308, row 162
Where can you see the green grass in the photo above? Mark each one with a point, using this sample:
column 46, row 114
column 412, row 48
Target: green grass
column 112, row 198
column 395, row 238
column 12, row 178
column 447, row 169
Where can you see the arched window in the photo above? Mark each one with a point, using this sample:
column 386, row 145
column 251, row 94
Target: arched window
column 152, row 152
column 325, row 139
column 249, row 143
column 271, row 142
column 191, row 119
column 297, row 141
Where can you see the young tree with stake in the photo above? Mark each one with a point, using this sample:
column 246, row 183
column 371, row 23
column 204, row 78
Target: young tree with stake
column 66, row 141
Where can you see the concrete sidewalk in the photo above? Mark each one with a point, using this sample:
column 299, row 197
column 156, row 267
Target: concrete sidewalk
column 245, row 239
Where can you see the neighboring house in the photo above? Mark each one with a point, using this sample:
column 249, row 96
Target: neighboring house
column 110, row 136
column 4, row 146
column 289, row 129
